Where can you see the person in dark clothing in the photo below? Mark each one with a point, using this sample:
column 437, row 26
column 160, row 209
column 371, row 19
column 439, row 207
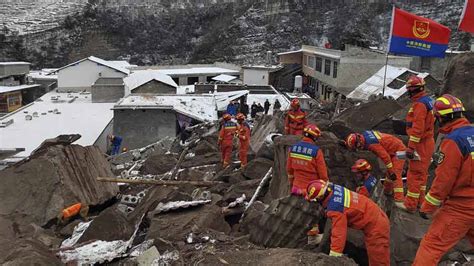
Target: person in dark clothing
column 277, row 105
column 254, row 109
column 266, row 106
column 244, row 109
column 232, row 108
column 115, row 142
column 260, row 108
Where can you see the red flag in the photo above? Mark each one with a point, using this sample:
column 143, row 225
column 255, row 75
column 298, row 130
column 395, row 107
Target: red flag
column 467, row 18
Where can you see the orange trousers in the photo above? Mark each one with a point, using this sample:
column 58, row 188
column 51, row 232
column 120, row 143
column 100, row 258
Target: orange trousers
column 418, row 174
column 449, row 226
column 377, row 241
column 226, row 151
column 243, row 150
column 397, row 185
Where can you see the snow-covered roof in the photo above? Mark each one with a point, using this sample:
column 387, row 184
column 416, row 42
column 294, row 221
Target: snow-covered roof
column 291, row 52
column 209, row 71
column 373, row 85
column 138, row 78
column 199, row 107
column 330, row 53
column 4, row 89
column 99, row 61
column 43, row 74
column 224, row 78
column 186, row 89
column 121, row 63
column 79, row 116
column 14, row 63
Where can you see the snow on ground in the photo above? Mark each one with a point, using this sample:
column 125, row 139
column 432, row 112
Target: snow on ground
column 54, row 114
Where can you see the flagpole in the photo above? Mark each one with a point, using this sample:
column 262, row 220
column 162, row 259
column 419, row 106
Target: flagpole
column 388, row 49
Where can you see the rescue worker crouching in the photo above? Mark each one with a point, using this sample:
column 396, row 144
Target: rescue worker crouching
column 452, row 190
column 366, row 182
column 385, row 147
column 226, row 137
column 348, row 209
column 243, row 133
column 295, row 120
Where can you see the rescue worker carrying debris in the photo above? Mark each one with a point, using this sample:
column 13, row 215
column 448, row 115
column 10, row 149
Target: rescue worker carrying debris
column 346, row 209
column 362, row 170
column 295, row 119
column 243, row 133
column 226, row 137
column 385, row 146
column 453, row 186
column 420, row 129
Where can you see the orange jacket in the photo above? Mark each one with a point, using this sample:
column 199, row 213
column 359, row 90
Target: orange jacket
column 295, row 120
column 243, row 132
column 306, row 163
column 346, row 209
column 385, row 146
column 420, row 119
column 226, row 135
column 454, row 181
column 369, row 184
column 72, row 210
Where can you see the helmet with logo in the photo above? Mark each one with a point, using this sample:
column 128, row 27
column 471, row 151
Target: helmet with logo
column 415, row 85
column 355, row 141
column 227, row 117
column 240, row 116
column 295, row 103
column 312, row 131
column 446, row 105
column 316, row 190
column 361, row 165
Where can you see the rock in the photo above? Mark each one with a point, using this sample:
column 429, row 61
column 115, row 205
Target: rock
column 158, row 164
column 266, row 151
column 459, row 81
column 204, row 147
column 122, row 158
column 163, row 245
column 147, row 257
column 69, row 229
column 175, row 226
column 285, row 223
column 257, row 168
column 252, row 216
column 199, row 160
column 111, row 224
column 43, row 236
column 37, row 189
column 247, row 187
column 29, row 252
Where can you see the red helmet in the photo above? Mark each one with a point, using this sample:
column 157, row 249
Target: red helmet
column 312, row 130
column 415, row 83
column 316, row 190
column 295, row 103
column 355, row 141
column 240, row 116
column 361, row 165
column 447, row 104
column 227, row 117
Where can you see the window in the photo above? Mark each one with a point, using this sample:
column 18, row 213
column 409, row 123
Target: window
column 327, row 67
column 319, row 64
column 311, row 62
column 192, row 80
column 334, row 70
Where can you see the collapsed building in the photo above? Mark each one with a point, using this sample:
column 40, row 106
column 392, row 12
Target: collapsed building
column 171, row 203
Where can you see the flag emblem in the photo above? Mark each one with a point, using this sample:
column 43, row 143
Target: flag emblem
column 421, row 29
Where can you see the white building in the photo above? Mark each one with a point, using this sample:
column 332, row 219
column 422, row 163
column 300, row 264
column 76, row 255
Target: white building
column 81, row 75
column 55, row 114
column 259, row 75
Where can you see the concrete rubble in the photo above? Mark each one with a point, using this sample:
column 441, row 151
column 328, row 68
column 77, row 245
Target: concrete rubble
column 143, row 224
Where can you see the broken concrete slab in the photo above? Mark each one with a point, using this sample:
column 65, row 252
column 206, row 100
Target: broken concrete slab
column 256, row 169
column 29, row 252
column 38, row 189
column 199, row 160
column 204, row 147
column 158, row 164
column 148, row 257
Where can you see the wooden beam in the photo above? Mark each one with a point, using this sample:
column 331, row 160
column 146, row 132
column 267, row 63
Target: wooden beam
column 160, row 182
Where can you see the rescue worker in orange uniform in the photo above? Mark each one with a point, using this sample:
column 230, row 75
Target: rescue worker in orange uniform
column 420, row 129
column 453, row 186
column 226, row 137
column 368, row 182
column 385, row 146
column 305, row 164
column 295, row 119
column 243, row 132
column 347, row 209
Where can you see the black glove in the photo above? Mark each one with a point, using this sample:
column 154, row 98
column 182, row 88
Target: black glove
column 392, row 176
column 410, row 153
column 424, row 216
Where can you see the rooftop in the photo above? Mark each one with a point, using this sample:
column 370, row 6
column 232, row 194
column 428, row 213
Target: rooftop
column 224, row 78
column 13, row 63
column 43, row 74
column 395, row 83
column 199, row 107
column 4, row 89
column 140, row 77
column 209, row 71
column 117, row 66
column 52, row 115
